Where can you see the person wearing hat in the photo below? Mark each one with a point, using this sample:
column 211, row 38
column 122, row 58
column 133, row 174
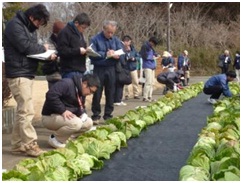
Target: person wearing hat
column 167, row 62
column 171, row 80
column 225, row 60
column 51, row 68
column 184, row 64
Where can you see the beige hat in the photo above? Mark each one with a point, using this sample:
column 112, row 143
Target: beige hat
column 166, row 54
column 185, row 52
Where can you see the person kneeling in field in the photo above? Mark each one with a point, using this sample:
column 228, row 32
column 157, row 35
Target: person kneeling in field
column 171, row 80
column 64, row 112
column 218, row 84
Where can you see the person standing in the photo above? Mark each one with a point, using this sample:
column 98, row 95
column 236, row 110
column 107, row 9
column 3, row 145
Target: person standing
column 218, row 84
column 236, row 65
column 20, row 40
column 148, row 55
column 51, row 69
column 71, row 46
column 226, row 60
column 184, row 64
column 63, row 110
column 131, row 60
column 105, row 43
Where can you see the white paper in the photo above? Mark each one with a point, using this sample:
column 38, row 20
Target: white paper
column 42, row 56
column 119, row 52
column 91, row 52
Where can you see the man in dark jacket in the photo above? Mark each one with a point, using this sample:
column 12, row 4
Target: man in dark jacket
column 226, row 61
column 105, row 43
column 20, row 40
column 170, row 79
column 71, row 46
column 131, row 57
column 51, row 69
column 63, row 111
column 236, row 64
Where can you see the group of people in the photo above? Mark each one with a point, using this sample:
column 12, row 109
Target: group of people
column 64, row 108
column 68, row 85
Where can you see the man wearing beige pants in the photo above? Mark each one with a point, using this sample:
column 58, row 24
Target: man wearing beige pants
column 20, row 40
column 64, row 111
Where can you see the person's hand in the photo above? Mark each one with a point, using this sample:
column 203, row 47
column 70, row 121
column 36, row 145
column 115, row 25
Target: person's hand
column 46, row 47
column 53, row 57
column 116, row 56
column 83, row 51
column 84, row 117
column 110, row 53
column 68, row 115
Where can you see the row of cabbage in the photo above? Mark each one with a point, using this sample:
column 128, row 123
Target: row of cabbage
column 216, row 155
column 88, row 151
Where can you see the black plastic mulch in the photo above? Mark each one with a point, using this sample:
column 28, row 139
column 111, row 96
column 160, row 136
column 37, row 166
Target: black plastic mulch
column 160, row 151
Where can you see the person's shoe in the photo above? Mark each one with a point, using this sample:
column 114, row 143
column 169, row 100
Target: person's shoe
column 117, row 103
column 146, row 100
column 53, row 142
column 18, row 150
column 136, row 97
column 96, row 121
column 33, row 149
column 92, row 128
column 212, row 101
column 152, row 100
column 126, row 97
column 123, row 104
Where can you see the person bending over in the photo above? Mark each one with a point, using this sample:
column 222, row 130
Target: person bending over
column 218, row 84
column 170, row 79
column 64, row 111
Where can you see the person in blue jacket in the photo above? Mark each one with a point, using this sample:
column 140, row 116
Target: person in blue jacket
column 149, row 55
column 105, row 43
column 218, row 84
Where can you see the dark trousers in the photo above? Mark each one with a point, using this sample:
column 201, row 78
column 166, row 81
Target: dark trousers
column 168, row 82
column 224, row 69
column 118, row 92
column 214, row 91
column 107, row 81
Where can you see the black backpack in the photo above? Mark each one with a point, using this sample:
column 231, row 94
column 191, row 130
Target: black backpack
column 165, row 61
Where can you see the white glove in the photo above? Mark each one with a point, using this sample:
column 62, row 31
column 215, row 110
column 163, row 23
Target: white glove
column 84, row 117
column 175, row 88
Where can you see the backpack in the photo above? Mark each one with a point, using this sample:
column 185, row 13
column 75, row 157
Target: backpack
column 165, row 61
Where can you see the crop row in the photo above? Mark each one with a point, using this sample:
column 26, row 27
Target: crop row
column 216, row 155
column 86, row 153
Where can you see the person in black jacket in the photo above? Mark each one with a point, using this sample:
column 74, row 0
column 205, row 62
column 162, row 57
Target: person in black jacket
column 20, row 40
column 64, row 110
column 131, row 59
column 49, row 68
column 236, row 64
column 71, row 46
column 170, row 79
